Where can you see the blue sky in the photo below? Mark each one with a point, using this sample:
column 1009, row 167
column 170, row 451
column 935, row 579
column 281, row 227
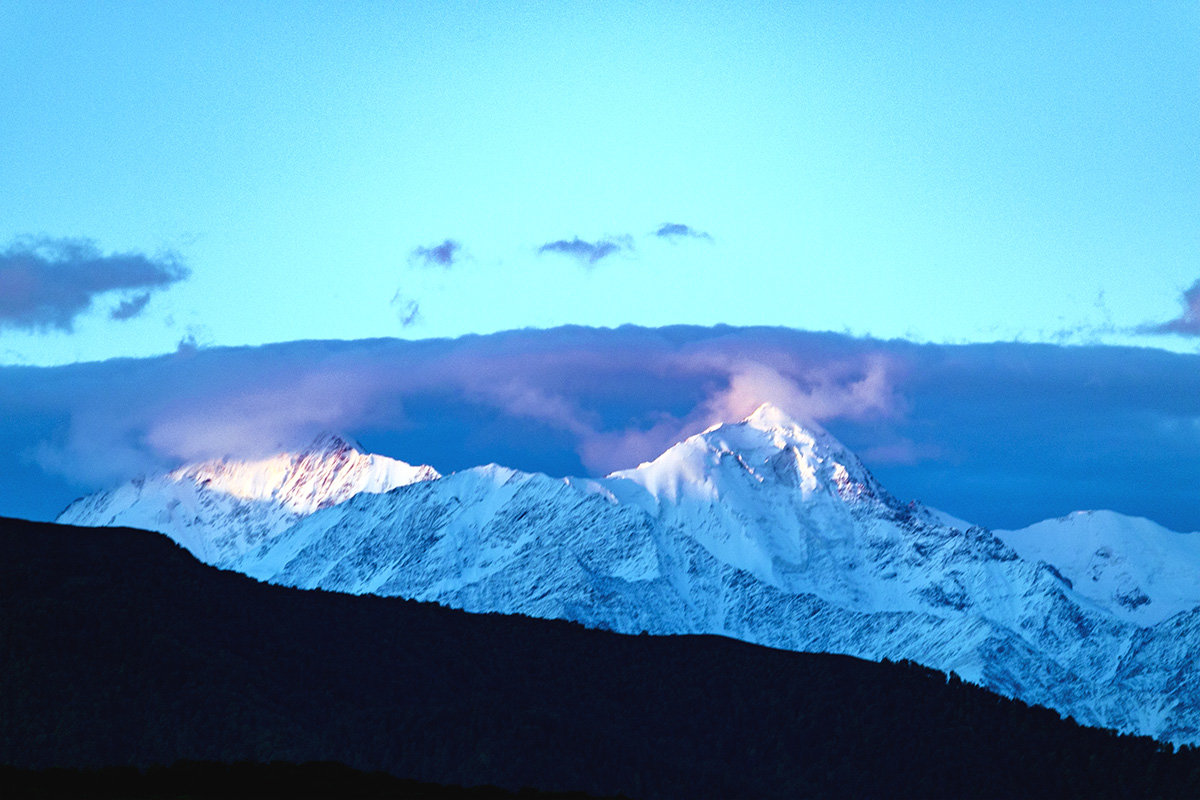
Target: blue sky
column 985, row 172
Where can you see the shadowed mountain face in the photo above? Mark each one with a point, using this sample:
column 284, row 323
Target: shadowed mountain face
column 763, row 530
column 119, row 648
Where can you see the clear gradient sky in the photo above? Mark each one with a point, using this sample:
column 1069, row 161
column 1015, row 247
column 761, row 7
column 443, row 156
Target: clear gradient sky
column 937, row 172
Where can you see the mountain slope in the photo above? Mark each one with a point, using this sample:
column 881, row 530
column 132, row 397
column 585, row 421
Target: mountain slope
column 761, row 530
column 1135, row 569
column 185, row 661
column 219, row 509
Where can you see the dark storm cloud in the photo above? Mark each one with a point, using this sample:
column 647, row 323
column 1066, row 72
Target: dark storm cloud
column 48, row 283
column 443, row 255
column 674, row 230
column 1188, row 322
column 587, row 253
column 1000, row 434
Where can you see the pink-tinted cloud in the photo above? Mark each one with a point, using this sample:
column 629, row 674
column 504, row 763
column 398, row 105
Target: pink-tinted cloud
column 813, row 394
column 993, row 433
column 245, row 403
column 263, row 420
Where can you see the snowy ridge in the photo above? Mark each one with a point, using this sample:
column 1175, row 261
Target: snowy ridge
column 762, row 530
column 1135, row 569
column 219, row 509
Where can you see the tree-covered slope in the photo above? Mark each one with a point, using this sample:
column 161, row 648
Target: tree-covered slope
column 118, row 648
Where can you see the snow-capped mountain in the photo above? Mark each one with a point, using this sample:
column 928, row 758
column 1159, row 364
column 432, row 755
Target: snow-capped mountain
column 762, row 530
column 220, row 509
column 1135, row 569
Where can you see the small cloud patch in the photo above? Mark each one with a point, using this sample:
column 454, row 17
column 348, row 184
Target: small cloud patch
column 407, row 311
column 585, row 252
column 444, row 255
column 197, row 338
column 674, row 231
column 130, row 308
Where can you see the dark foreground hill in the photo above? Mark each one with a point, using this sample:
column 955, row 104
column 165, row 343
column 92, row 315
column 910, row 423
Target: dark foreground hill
column 118, row 648
column 201, row 780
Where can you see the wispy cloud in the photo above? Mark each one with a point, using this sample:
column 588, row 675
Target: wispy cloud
column 587, row 253
column 1188, row 322
column 444, row 255
column 408, row 311
column 673, row 231
column 48, row 283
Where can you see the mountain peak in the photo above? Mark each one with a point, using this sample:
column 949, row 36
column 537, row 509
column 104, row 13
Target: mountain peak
column 782, row 432
column 223, row 507
column 769, row 413
column 771, row 418
column 328, row 443
column 767, row 448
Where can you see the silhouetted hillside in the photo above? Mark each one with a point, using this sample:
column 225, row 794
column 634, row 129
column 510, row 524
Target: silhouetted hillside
column 242, row 781
column 117, row 648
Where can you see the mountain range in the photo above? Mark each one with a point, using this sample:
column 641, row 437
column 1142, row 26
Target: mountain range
column 121, row 655
column 763, row 530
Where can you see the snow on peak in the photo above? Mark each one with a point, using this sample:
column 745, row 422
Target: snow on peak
column 327, row 472
column 223, row 507
column 786, row 431
column 766, row 448
column 1136, row 569
column 770, row 417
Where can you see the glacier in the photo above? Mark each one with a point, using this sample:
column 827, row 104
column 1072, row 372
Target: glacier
column 762, row 530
